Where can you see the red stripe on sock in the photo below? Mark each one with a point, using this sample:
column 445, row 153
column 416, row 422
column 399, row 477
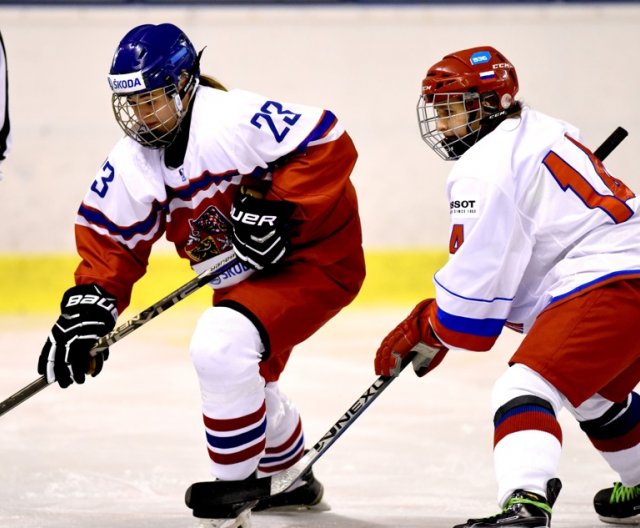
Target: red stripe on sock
column 286, row 445
column 528, row 421
column 283, row 466
column 610, row 445
column 233, row 424
column 238, row 456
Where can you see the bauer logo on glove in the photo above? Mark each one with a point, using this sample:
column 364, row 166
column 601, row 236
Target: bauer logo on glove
column 260, row 230
column 87, row 313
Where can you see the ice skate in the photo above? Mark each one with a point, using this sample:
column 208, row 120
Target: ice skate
column 242, row 521
column 523, row 509
column 618, row 505
column 306, row 495
column 212, row 515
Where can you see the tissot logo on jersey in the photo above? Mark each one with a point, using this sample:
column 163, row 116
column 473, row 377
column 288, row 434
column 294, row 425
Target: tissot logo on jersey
column 466, row 208
column 462, row 204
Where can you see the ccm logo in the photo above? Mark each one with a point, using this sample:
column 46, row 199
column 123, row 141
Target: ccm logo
column 462, row 204
column 252, row 218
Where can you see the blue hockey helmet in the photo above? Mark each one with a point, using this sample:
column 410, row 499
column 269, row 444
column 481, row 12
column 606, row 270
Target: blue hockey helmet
column 161, row 61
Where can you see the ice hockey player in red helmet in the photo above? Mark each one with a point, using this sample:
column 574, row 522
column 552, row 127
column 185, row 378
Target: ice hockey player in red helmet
column 480, row 80
column 546, row 241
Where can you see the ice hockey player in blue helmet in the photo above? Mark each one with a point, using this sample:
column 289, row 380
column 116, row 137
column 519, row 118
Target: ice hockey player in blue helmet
column 218, row 172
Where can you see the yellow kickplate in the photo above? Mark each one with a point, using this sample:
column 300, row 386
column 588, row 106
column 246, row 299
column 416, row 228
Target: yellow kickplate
column 34, row 283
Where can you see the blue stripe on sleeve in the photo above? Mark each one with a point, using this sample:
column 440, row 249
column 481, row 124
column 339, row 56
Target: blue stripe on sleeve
column 327, row 121
column 141, row 228
column 467, row 325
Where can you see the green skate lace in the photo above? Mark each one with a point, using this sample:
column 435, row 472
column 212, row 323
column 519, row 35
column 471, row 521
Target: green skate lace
column 513, row 501
column 522, row 500
column 621, row 493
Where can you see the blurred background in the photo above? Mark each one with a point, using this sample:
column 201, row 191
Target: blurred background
column 362, row 60
column 120, row 450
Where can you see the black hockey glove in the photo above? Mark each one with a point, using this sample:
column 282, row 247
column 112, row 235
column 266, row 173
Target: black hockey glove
column 88, row 313
column 260, row 230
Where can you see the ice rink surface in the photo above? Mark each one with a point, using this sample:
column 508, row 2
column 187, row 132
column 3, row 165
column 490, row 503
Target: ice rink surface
column 120, row 451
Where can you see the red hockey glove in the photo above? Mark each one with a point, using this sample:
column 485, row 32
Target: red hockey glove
column 414, row 334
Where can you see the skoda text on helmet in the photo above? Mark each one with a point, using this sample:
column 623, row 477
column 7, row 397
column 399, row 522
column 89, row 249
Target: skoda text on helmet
column 464, row 97
column 153, row 69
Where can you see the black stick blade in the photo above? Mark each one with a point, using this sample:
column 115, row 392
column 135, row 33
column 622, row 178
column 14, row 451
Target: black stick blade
column 216, row 495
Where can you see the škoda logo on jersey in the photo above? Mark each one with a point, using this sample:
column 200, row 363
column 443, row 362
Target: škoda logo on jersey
column 463, row 208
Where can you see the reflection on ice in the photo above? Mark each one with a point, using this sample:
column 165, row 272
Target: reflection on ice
column 120, row 451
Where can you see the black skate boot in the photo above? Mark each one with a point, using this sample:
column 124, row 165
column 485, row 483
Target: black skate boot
column 618, row 505
column 305, row 496
column 212, row 515
column 524, row 509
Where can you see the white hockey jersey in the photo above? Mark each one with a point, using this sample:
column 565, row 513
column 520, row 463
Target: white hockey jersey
column 299, row 153
column 535, row 219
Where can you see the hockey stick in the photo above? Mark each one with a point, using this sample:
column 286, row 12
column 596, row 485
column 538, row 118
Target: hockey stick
column 609, row 144
column 132, row 324
column 225, row 493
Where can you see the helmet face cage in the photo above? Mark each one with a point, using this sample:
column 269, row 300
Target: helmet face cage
column 460, row 111
column 154, row 68
column 464, row 97
column 150, row 118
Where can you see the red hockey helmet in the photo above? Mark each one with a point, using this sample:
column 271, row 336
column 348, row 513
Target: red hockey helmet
column 482, row 78
column 482, row 69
